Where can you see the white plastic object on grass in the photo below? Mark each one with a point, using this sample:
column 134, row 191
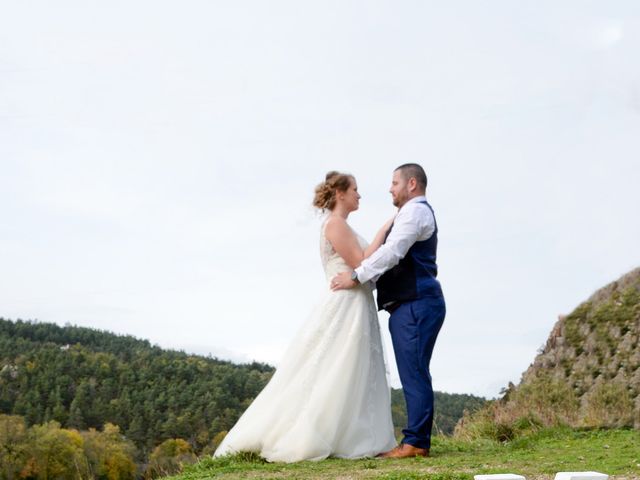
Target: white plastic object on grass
column 581, row 476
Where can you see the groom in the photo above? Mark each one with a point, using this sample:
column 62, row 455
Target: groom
column 404, row 269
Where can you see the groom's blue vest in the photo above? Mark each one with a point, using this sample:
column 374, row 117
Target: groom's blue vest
column 415, row 275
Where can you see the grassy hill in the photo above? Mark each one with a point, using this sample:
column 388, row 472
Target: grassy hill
column 587, row 374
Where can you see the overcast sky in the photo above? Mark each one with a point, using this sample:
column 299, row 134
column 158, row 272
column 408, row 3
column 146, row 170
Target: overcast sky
column 158, row 161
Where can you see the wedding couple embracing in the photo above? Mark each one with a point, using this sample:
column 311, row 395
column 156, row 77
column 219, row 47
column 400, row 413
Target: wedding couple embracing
column 330, row 396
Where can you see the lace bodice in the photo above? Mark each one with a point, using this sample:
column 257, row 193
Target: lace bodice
column 331, row 261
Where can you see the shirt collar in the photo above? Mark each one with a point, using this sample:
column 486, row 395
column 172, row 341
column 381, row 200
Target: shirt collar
column 420, row 198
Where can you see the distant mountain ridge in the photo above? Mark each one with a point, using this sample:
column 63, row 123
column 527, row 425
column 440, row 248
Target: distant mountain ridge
column 587, row 373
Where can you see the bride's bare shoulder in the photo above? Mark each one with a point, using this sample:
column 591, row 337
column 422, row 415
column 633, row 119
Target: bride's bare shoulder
column 335, row 224
column 335, row 220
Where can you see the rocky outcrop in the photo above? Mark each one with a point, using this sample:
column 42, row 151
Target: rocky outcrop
column 587, row 373
column 597, row 344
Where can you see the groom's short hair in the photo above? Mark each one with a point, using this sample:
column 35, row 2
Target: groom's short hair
column 413, row 170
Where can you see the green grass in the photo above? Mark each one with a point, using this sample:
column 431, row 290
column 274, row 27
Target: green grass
column 537, row 456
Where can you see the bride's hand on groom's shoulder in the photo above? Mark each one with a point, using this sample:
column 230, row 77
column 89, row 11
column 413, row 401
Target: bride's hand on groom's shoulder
column 385, row 227
column 388, row 223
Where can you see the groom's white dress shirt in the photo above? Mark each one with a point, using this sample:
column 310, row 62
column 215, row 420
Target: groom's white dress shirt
column 413, row 223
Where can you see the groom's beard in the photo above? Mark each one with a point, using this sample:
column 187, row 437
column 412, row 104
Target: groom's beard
column 400, row 199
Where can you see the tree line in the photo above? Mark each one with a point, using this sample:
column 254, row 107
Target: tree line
column 98, row 388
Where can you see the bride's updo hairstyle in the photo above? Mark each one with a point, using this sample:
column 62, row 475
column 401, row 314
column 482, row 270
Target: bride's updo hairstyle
column 326, row 192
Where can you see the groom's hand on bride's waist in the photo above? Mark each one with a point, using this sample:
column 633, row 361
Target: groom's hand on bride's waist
column 343, row 281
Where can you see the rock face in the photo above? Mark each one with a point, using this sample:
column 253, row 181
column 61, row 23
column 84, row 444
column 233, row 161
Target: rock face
column 594, row 350
column 587, row 374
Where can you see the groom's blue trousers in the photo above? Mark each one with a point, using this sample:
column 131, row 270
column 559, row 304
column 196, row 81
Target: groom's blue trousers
column 414, row 327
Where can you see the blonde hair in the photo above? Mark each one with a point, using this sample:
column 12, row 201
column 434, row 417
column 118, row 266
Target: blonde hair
column 326, row 192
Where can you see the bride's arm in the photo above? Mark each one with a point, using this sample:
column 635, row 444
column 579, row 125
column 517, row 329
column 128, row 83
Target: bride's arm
column 345, row 243
column 378, row 240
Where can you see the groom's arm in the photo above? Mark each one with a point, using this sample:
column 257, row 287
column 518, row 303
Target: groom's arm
column 414, row 223
column 404, row 234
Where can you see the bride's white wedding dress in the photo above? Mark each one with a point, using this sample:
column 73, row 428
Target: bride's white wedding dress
column 329, row 396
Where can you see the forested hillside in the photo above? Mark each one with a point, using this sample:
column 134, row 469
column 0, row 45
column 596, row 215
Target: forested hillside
column 449, row 409
column 84, row 378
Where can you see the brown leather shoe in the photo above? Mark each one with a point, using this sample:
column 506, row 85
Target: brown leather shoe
column 404, row 450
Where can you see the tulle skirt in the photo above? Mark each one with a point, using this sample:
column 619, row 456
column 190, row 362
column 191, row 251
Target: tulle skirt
column 329, row 396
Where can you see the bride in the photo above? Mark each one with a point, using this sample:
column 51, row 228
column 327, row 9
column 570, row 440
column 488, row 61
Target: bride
column 329, row 396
